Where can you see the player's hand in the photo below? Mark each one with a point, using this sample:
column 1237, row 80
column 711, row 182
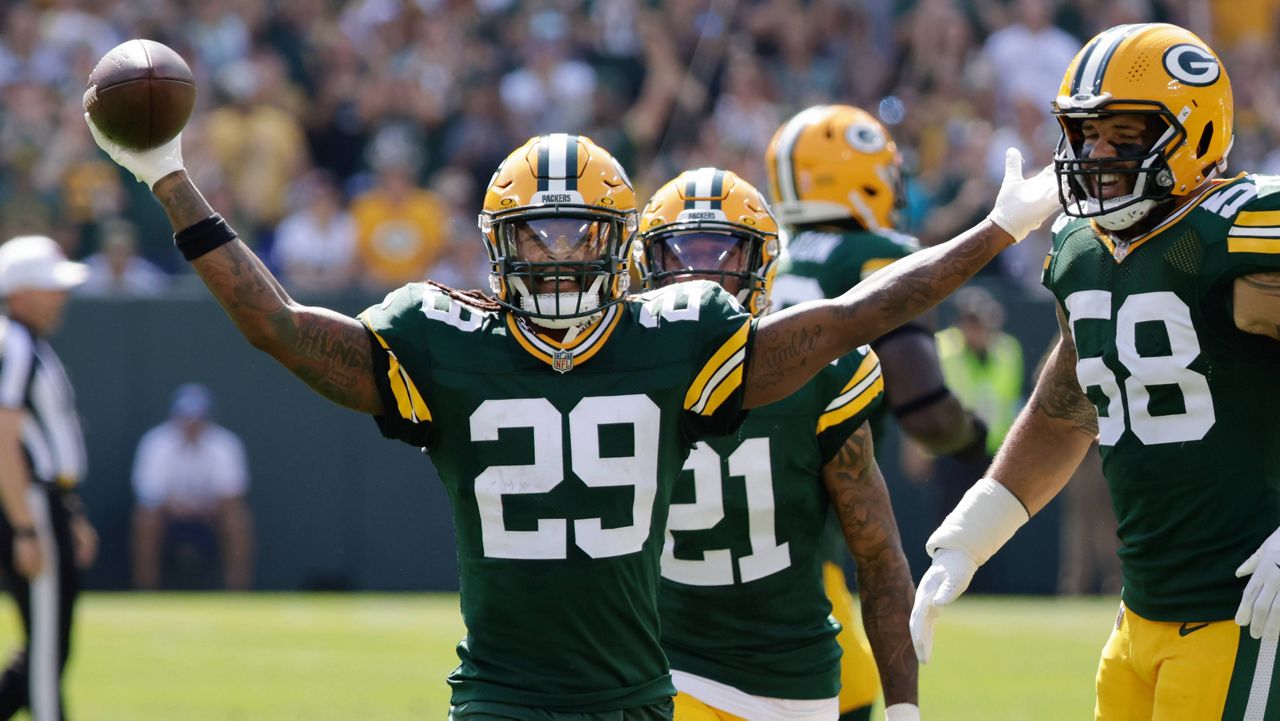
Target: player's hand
column 147, row 166
column 943, row 583
column 1023, row 203
column 1258, row 608
column 28, row 557
column 85, row 540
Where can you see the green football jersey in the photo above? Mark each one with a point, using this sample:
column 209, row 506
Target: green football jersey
column 819, row 264
column 742, row 599
column 559, row 462
column 1187, row 405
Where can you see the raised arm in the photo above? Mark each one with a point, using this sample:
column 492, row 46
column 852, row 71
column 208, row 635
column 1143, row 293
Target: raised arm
column 861, row 500
column 792, row 345
column 328, row 351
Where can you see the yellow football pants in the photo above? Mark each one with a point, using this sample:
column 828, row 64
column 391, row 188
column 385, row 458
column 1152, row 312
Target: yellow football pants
column 1194, row 671
column 859, row 677
column 689, row 708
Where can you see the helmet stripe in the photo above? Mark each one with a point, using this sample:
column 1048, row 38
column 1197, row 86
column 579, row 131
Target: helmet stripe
column 690, row 192
column 557, row 145
column 787, row 148
column 544, row 162
column 1106, row 59
column 571, row 162
column 1084, row 60
column 1089, row 75
column 717, row 189
column 703, row 179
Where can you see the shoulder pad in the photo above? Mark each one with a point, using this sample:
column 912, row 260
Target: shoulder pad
column 685, row 301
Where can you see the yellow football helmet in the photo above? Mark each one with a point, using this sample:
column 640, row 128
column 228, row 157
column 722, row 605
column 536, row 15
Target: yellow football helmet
column 832, row 163
column 559, row 211
column 710, row 223
column 1160, row 71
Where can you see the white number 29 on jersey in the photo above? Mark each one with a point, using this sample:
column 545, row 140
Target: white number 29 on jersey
column 1145, row 371
column 750, row 461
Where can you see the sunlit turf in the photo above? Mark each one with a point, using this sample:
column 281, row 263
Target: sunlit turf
column 383, row 657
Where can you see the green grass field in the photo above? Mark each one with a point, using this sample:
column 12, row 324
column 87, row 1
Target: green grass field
column 383, row 657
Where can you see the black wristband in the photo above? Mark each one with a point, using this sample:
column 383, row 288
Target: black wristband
column 24, row 532
column 203, row 237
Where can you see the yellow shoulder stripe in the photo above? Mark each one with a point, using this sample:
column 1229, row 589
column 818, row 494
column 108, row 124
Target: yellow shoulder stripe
column 409, row 401
column 1258, row 218
column 868, row 364
column 871, row 266
column 720, row 376
column 1238, row 244
column 858, row 399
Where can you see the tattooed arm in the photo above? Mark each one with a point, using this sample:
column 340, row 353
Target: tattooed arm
column 328, row 351
column 792, row 345
column 1257, row 304
column 1052, row 433
column 861, row 501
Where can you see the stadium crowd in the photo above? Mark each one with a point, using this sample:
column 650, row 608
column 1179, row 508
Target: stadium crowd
column 351, row 140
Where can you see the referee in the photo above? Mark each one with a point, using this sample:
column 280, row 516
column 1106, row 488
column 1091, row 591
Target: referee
column 44, row 536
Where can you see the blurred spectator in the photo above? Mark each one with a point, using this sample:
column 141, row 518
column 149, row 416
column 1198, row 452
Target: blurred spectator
column 117, row 269
column 189, row 481
column 463, row 264
column 400, row 228
column 1029, row 56
column 315, row 246
column 256, row 138
column 549, row 92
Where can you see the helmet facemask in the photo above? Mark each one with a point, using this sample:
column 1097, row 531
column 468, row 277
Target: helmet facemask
column 726, row 255
column 560, row 268
column 1082, row 180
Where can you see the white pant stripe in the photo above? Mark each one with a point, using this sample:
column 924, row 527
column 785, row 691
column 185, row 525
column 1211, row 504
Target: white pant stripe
column 42, row 662
column 1261, row 687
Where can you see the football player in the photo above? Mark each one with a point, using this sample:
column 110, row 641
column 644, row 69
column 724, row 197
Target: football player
column 558, row 411
column 1167, row 277
column 746, row 622
column 836, row 179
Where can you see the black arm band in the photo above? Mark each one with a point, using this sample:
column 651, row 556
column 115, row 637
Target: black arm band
column 24, row 532
column 203, row 237
column 921, row 402
column 909, row 328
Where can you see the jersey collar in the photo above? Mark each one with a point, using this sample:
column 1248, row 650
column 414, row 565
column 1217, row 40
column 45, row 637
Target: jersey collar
column 1123, row 249
column 562, row 357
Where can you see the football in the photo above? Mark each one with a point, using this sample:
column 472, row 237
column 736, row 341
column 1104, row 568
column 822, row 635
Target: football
column 140, row 94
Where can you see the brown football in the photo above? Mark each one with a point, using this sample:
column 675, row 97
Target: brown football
column 140, row 94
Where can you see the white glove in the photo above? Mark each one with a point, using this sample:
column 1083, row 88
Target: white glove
column 1023, row 203
column 984, row 520
column 902, row 712
column 147, row 166
column 943, row 583
column 1260, row 607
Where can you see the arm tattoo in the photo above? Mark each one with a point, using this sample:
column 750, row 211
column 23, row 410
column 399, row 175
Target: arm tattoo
column 1058, row 394
column 861, row 501
column 782, row 348
column 328, row 351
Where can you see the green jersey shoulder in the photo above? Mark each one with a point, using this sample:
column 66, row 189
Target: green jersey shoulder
column 820, row 264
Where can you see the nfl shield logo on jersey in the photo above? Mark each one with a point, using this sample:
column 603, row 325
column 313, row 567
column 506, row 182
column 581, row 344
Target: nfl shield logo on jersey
column 562, row 361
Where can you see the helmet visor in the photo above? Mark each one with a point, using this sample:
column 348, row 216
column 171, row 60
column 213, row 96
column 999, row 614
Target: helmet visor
column 559, row 240
column 727, row 258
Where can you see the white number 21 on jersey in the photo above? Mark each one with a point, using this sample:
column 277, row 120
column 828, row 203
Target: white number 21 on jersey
column 1145, row 371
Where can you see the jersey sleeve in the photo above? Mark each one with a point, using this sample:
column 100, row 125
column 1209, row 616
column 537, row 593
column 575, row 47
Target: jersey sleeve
column 856, row 388
column 406, row 416
column 17, row 364
column 713, row 400
column 1251, row 244
column 882, row 249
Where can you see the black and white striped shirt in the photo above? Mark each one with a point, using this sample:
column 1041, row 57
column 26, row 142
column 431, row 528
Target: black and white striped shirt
column 32, row 380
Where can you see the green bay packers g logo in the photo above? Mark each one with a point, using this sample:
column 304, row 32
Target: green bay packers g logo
column 1191, row 65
